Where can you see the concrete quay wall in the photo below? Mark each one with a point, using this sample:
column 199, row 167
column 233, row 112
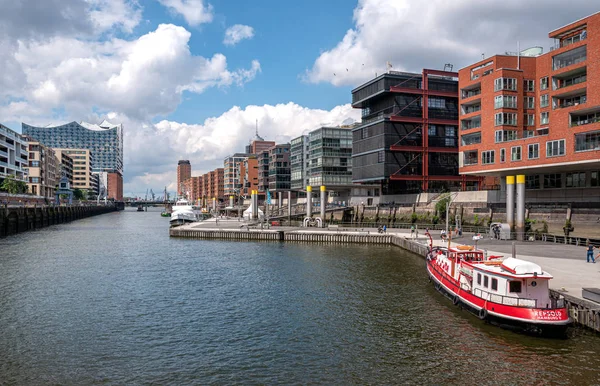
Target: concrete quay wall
column 18, row 220
column 583, row 312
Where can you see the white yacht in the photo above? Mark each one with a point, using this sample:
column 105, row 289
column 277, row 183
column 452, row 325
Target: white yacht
column 182, row 213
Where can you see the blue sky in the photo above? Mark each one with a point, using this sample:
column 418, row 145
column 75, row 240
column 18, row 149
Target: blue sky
column 288, row 36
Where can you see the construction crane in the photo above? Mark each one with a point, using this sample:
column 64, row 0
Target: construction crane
column 152, row 194
column 146, row 198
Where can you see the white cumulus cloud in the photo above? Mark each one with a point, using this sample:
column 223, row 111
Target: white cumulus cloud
column 237, row 33
column 193, row 11
column 141, row 78
column 151, row 153
column 413, row 35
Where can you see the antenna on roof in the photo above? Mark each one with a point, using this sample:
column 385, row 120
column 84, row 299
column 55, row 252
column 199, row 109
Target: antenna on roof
column 388, row 65
column 257, row 127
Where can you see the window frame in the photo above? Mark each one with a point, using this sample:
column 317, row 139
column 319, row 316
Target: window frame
column 510, row 287
column 516, row 150
column 537, row 151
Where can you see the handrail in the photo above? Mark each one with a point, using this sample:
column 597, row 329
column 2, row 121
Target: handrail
column 506, row 300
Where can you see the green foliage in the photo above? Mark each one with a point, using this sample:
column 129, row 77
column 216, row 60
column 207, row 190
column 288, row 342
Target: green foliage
column 440, row 206
column 435, row 219
column 13, row 186
column 414, row 217
column 544, row 226
column 78, row 194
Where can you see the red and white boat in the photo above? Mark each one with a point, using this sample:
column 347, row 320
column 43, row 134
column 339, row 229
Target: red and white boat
column 510, row 292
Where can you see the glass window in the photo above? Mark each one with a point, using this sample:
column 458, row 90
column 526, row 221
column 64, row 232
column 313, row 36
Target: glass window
column 544, row 100
column 470, row 139
column 555, row 148
column 569, row 58
column 544, row 118
column 553, row 180
column 479, row 279
column 514, row 286
column 544, row 83
column 505, row 84
column 586, row 141
column 530, row 102
column 575, row 180
column 487, row 157
column 529, row 119
column 508, row 119
column 432, row 130
column 529, row 85
column 532, row 182
column 515, row 153
column 533, row 151
column 485, row 281
column 594, row 180
column 505, row 101
column 494, row 284
column 380, row 156
column 502, row 155
column 505, row 135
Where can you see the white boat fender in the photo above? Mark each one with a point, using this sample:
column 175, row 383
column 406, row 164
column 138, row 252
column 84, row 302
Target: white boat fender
column 482, row 314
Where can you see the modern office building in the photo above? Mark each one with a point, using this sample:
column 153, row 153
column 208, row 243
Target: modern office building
column 279, row 168
column 43, row 170
column 298, row 162
column 83, row 178
column 258, row 144
column 537, row 115
column 231, row 173
column 184, row 171
column 330, row 157
column 408, row 139
column 104, row 141
column 13, row 155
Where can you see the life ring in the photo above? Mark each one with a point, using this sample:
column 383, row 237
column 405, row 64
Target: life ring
column 455, row 300
column 482, row 314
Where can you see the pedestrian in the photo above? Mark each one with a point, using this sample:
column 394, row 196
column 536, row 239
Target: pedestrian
column 384, row 228
column 412, row 230
column 590, row 252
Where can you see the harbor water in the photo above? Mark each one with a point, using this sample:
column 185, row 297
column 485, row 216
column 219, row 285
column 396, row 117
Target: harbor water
column 112, row 299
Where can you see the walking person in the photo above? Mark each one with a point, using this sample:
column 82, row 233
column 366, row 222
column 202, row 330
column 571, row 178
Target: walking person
column 590, row 252
column 412, row 231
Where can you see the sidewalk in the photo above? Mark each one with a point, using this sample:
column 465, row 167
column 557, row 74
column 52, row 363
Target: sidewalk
column 567, row 263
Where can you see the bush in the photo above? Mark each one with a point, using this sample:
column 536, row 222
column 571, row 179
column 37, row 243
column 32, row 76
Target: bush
column 435, row 219
column 414, row 217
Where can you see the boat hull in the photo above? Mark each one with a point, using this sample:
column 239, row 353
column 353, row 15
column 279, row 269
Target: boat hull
column 545, row 322
column 182, row 217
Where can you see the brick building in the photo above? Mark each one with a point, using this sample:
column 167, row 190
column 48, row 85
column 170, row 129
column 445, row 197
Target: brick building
column 184, row 171
column 536, row 114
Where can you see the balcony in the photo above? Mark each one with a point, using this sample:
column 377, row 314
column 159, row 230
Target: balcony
column 585, row 117
column 569, row 78
column 471, row 123
column 470, row 92
column 569, row 58
column 569, row 101
column 470, row 108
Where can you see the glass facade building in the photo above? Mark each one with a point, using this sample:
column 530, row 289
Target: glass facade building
column 298, row 160
column 329, row 156
column 105, row 141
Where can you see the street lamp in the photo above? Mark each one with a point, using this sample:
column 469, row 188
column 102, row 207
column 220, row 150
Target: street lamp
column 452, row 196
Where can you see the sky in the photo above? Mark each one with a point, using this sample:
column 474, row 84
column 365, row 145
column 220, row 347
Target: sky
column 190, row 79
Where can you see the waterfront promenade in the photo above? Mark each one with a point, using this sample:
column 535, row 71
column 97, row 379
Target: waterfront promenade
column 567, row 263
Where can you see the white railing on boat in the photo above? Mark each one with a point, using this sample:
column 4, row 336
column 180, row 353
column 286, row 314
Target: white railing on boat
column 506, row 300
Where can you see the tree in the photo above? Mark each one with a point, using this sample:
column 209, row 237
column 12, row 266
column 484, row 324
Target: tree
column 440, row 206
column 13, row 186
column 78, row 194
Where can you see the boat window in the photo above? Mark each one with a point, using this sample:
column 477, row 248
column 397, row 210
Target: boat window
column 478, row 279
column 514, row 286
column 485, row 281
column 495, row 284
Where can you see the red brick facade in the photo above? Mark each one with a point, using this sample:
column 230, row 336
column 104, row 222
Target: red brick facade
column 115, row 186
column 572, row 69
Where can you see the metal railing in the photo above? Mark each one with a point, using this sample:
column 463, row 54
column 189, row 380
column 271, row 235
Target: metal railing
column 506, row 300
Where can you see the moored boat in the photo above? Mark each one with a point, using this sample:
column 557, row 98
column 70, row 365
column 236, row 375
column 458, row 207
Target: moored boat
column 510, row 292
column 182, row 213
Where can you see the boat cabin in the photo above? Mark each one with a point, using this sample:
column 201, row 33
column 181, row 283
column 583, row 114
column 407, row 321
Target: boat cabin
column 511, row 282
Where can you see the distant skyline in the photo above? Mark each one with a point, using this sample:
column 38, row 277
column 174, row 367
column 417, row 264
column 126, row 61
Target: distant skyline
column 189, row 78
